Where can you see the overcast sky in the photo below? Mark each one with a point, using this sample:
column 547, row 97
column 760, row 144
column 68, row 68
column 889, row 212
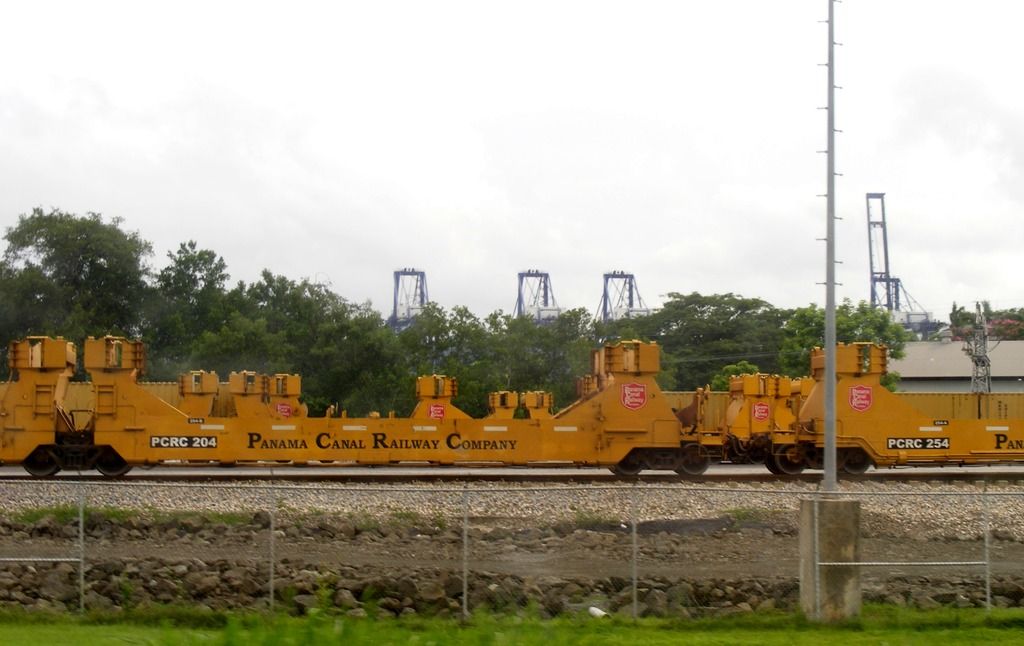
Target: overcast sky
column 676, row 140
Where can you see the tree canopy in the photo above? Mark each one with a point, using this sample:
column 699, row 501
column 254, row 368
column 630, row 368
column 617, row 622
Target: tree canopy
column 701, row 333
column 74, row 276
column 805, row 330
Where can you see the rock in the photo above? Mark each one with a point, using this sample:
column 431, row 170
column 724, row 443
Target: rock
column 56, row 587
column 625, row 597
column 345, row 529
column 572, row 591
column 657, row 603
column 305, row 602
column 304, row 582
column 682, row 591
column 453, row 586
column 96, row 601
column 498, row 534
column 356, row 612
column 46, row 526
column 343, row 598
column 430, row 591
column 553, row 602
column 202, row 584
column 627, row 610
column 163, row 589
column 896, row 600
column 1009, row 589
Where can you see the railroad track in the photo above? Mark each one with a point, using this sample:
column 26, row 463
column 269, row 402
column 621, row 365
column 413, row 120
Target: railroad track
column 404, row 475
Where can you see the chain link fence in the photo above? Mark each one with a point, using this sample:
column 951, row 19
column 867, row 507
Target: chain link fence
column 635, row 550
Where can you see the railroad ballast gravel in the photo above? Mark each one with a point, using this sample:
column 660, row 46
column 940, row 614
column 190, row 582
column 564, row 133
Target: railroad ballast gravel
column 921, row 511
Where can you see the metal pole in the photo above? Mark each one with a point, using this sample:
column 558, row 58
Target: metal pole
column 830, row 269
column 988, row 554
column 817, row 562
column 465, row 552
column 81, row 547
column 632, row 514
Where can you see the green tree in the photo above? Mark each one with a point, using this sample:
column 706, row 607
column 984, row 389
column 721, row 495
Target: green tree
column 721, row 379
column 805, row 330
column 961, row 321
column 455, row 344
column 70, row 275
column 701, row 333
column 546, row 357
column 190, row 298
column 344, row 352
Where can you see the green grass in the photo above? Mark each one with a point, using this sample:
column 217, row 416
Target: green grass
column 68, row 513
column 878, row 625
column 741, row 515
column 63, row 514
column 588, row 519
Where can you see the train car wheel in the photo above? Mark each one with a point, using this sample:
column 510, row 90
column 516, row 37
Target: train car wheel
column 855, row 461
column 628, row 466
column 693, row 461
column 111, row 464
column 788, row 460
column 814, row 457
column 41, row 462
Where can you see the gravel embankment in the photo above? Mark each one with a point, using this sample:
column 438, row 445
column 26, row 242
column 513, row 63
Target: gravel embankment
column 403, row 549
column 920, row 510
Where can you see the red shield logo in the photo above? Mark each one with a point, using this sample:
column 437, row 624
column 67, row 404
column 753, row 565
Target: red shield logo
column 284, row 410
column 760, row 411
column 633, row 395
column 436, row 411
column 860, row 398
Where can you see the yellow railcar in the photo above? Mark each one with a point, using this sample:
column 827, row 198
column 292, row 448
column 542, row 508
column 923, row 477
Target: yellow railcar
column 621, row 420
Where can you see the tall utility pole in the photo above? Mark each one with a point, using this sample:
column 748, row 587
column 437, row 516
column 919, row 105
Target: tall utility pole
column 830, row 483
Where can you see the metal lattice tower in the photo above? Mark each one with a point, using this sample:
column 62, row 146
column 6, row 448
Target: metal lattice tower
column 885, row 288
column 976, row 347
column 536, row 298
column 621, row 298
column 410, row 297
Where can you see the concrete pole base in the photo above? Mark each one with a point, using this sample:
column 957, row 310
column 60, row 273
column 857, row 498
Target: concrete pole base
column 829, row 533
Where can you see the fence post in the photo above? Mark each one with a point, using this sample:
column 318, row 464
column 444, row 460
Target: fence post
column 817, row 560
column 273, row 556
column 81, row 547
column 632, row 522
column 465, row 552
column 988, row 554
